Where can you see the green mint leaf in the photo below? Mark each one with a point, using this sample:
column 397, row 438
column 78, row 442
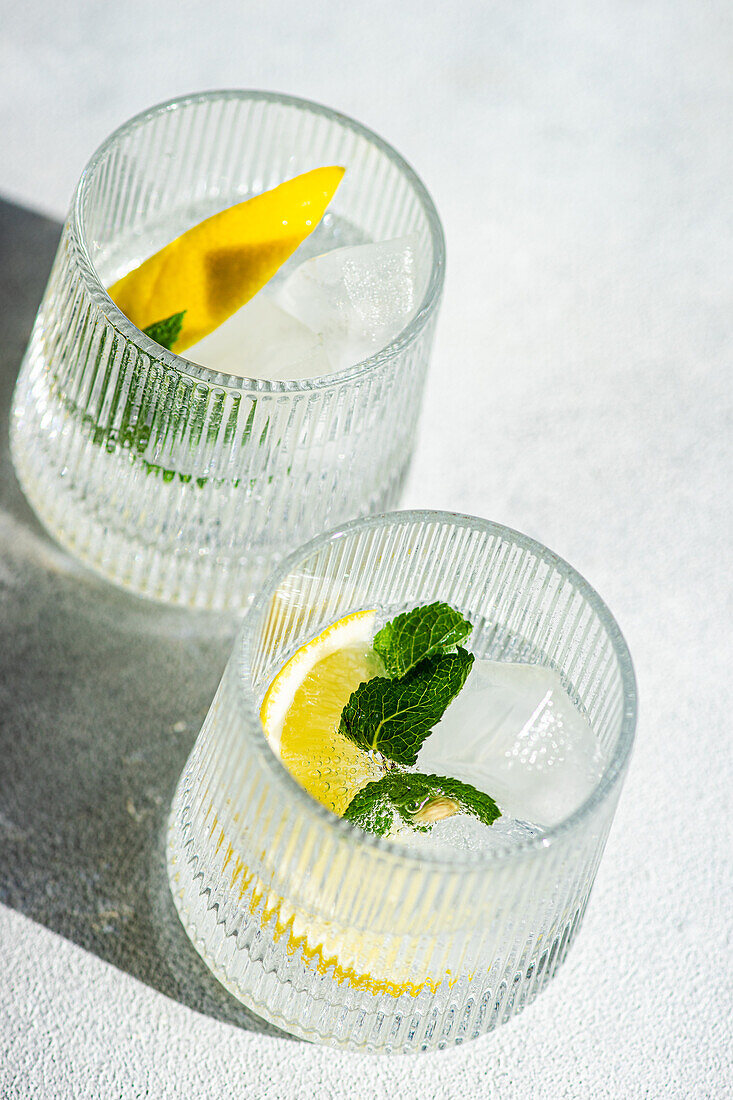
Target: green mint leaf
column 419, row 800
column 470, row 800
column 420, row 633
column 166, row 332
column 393, row 717
column 371, row 808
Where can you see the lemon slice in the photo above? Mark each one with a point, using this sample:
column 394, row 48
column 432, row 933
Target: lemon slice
column 216, row 266
column 300, row 716
column 301, row 711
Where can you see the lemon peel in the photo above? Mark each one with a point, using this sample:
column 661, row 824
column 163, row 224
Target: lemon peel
column 215, row 267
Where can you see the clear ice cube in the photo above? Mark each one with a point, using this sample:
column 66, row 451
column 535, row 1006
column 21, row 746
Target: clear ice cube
column 514, row 733
column 358, row 298
column 463, row 833
column 261, row 340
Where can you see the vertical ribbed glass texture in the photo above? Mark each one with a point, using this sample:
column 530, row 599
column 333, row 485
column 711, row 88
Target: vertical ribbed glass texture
column 176, row 481
column 334, row 934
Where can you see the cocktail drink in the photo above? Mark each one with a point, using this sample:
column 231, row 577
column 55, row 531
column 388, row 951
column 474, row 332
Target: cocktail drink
column 181, row 464
column 388, row 829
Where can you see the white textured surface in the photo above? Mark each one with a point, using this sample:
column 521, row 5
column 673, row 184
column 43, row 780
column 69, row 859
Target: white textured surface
column 580, row 391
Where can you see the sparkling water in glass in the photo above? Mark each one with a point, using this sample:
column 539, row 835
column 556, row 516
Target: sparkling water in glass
column 406, row 943
column 171, row 478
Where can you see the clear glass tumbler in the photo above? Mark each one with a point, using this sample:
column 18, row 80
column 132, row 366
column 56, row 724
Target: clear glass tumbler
column 176, row 481
column 334, row 934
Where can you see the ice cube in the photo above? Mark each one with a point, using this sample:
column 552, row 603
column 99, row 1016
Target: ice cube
column 464, row 833
column 261, row 340
column 514, row 733
column 358, row 298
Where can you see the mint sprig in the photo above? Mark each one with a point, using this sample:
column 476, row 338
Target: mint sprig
column 167, row 331
column 418, row 800
column 394, row 717
column 391, row 716
column 418, row 634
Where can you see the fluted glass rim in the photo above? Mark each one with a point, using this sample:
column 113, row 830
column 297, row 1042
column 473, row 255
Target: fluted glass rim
column 397, row 851
column 201, row 374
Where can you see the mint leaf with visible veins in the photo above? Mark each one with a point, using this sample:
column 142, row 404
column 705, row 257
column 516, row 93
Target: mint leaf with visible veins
column 393, row 717
column 420, row 633
column 419, row 800
column 166, row 332
column 371, row 808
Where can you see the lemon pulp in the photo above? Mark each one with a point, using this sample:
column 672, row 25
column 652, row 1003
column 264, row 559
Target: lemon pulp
column 302, row 710
column 330, row 768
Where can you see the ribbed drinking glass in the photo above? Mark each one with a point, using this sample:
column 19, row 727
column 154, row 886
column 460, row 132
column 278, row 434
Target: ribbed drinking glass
column 339, row 936
column 179, row 482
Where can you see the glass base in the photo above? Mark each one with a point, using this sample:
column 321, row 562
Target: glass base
column 198, row 554
column 244, row 946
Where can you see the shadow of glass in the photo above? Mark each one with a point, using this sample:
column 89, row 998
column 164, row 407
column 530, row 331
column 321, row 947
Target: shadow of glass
column 101, row 696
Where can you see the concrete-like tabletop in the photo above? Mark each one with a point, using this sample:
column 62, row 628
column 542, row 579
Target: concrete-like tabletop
column 580, row 156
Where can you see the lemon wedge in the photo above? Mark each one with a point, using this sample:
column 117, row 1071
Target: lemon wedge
column 216, row 266
column 301, row 711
